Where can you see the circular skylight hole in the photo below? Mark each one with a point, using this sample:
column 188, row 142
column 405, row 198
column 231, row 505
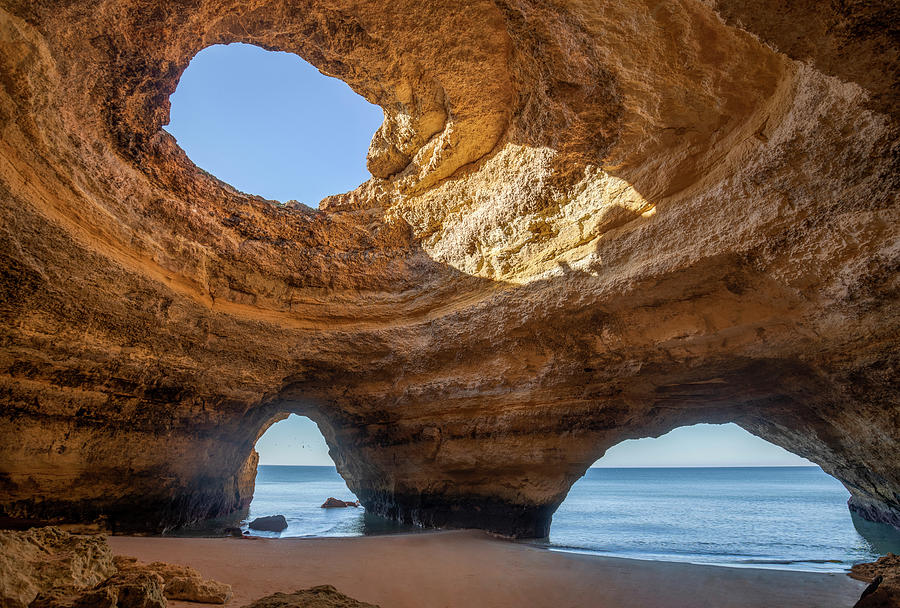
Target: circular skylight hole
column 269, row 123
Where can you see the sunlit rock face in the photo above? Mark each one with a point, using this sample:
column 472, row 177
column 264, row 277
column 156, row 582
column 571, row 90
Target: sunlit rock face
column 588, row 222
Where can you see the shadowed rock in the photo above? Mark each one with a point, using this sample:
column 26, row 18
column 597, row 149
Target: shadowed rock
column 269, row 523
column 323, row 596
column 124, row 590
column 69, row 597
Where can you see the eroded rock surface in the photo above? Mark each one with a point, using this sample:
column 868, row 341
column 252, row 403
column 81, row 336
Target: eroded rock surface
column 39, row 559
column 884, row 578
column 50, row 568
column 323, row 596
column 588, row 222
column 178, row 582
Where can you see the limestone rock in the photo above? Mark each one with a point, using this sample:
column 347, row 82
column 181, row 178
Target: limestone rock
column 334, row 503
column 179, row 582
column 41, row 559
column 192, row 589
column 73, row 597
column 269, row 523
column 884, row 565
column 323, row 596
column 50, row 568
column 132, row 590
column 588, row 222
column 882, row 593
column 884, row 576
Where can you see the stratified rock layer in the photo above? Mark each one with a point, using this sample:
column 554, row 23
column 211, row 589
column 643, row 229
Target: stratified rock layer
column 588, row 222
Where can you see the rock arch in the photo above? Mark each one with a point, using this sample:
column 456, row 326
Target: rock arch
column 586, row 223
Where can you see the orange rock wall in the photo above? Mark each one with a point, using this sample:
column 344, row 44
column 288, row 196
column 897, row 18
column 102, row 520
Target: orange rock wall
column 587, row 222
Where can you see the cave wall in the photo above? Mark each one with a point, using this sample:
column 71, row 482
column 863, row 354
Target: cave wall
column 587, row 222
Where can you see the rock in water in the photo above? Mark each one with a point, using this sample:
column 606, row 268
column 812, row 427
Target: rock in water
column 334, row 503
column 41, row 559
column 323, row 596
column 270, row 523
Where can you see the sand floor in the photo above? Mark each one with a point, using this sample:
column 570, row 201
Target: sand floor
column 472, row 570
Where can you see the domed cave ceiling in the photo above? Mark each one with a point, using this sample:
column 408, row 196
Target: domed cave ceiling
column 587, row 222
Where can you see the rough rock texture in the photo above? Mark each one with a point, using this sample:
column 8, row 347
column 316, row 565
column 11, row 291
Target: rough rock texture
column 884, row 574
column 588, row 222
column 323, row 596
column 127, row 590
column 72, row 597
column 49, row 568
column 40, row 559
column 179, row 582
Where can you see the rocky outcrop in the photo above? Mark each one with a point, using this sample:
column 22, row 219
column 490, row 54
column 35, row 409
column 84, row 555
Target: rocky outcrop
column 178, row 582
column 270, row 523
column 587, row 222
column 105, row 597
column 334, row 503
column 49, row 568
column 884, row 578
column 130, row 590
column 323, row 596
column 43, row 558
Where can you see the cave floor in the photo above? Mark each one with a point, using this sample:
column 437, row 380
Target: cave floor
column 469, row 568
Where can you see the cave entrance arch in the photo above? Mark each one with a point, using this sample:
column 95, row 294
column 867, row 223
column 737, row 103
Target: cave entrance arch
column 269, row 123
column 712, row 494
column 295, row 475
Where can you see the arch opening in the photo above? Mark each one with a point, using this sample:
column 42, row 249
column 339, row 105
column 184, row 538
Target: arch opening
column 295, row 476
column 715, row 494
column 269, row 123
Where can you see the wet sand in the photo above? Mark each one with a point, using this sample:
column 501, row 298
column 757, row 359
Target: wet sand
column 469, row 569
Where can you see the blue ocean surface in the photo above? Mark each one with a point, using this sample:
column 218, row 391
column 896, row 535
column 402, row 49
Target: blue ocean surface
column 761, row 517
column 297, row 492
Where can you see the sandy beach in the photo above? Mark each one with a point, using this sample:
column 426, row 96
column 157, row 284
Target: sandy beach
column 472, row 569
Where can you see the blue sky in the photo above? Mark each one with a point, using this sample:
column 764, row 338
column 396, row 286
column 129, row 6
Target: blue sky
column 271, row 124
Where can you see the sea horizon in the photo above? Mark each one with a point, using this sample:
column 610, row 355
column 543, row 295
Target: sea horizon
column 789, row 517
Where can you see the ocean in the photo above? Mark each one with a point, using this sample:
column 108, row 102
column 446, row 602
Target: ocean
column 763, row 517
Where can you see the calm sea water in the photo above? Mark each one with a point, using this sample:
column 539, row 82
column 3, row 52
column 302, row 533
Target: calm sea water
column 774, row 517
